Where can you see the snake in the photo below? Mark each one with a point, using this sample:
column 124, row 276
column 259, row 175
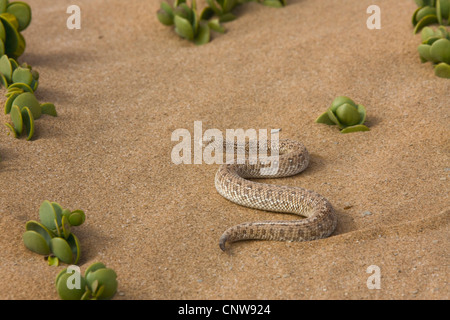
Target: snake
column 317, row 220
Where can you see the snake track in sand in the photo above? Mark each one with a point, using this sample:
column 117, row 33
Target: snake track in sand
column 319, row 219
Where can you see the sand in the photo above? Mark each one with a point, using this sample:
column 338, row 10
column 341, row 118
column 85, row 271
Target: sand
column 124, row 82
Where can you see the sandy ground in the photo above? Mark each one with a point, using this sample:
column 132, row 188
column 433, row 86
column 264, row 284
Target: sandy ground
column 124, row 82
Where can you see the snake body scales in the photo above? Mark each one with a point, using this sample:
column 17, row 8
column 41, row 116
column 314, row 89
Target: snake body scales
column 318, row 217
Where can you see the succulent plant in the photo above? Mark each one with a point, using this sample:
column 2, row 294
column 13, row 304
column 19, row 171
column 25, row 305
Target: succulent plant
column 98, row 283
column 346, row 114
column 435, row 48
column 21, row 104
column 195, row 26
column 13, row 75
column 189, row 24
column 430, row 12
column 24, row 109
column 222, row 9
column 52, row 236
column 14, row 18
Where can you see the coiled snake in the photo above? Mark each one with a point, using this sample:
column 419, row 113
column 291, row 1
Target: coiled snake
column 231, row 182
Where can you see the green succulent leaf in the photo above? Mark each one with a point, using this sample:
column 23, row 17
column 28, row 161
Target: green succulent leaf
column 167, row 8
column 414, row 17
column 2, row 33
column 14, row 43
column 325, row 119
column 87, row 295
column 424, row 53
column 12, row 89
column 215, row 25
column 442, row 70
column 100, row 292
column 11, row 19
column 16, row 118
column 443, row 32
column 22, row 12
column 442, row 10
column 49, row 109
column 28, row 99
column 22, row 75
column 61, row 249
column 53, row 261
column 164, row 18
column 227, row 17
column 103, row 277
column 58, row 209
column 28, row 121
column 93, row 267
column 334, row 119
column 340, row 101
column 440, row 51
column 94, row 287
column 47, row 215
column 76, row 218
column 14, row 64
column 183, row 28
column 9, row 102
column 213, row 7
column 58, row 230
column 203, row 35
column 207, row 13
column 21, row 86
column 75, row 247
column 184, row 11
column 41, row 229
column 65, row 227
column 425, row 21
column 347, row 114
column 357, row 128
column 6, row 68
column 3, row 5
column 432, row 40
column 425, row 11
column 36, row 242
column 11, row 130
column 362, row 114
column 3, row 81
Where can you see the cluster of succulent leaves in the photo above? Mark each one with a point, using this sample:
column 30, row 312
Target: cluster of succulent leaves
column 22, row 105
column 98, row 283
column 21, row 81
column 346, row 114
column 196, row 26
column 14, row 18
column 431, row 12
column 52, row 236
column 435, row 48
